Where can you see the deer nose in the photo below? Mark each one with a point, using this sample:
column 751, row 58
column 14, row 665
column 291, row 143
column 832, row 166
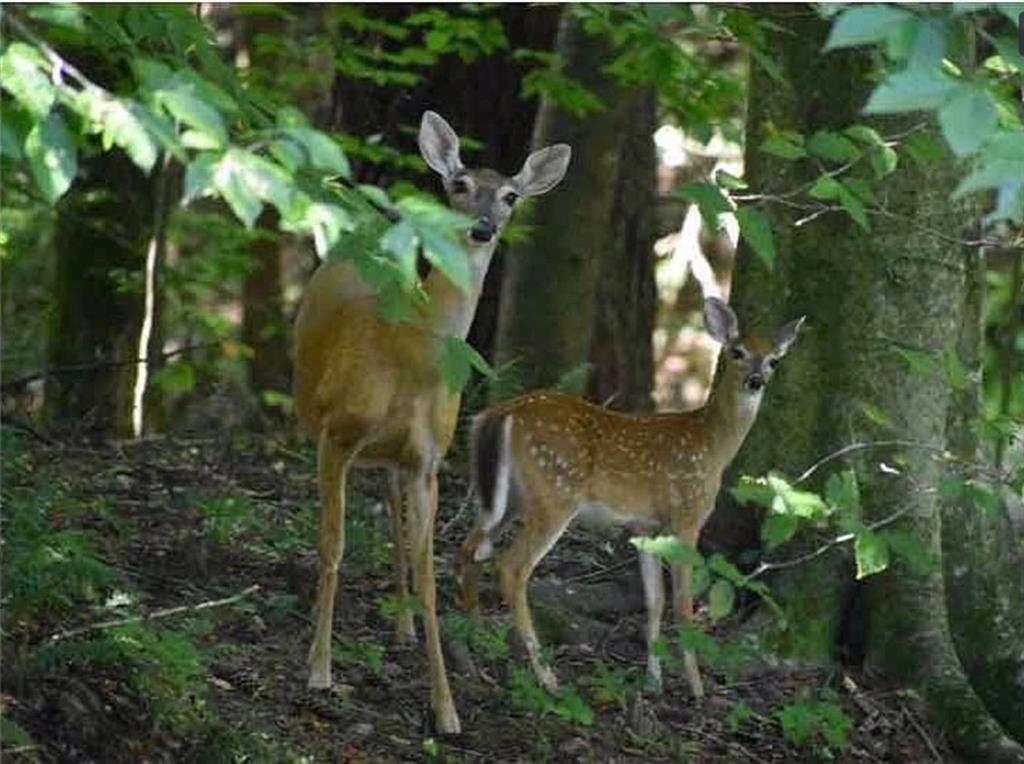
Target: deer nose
column 483, row 231
column 755, row 382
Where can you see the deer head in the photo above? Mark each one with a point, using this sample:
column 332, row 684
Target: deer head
column 485, row 195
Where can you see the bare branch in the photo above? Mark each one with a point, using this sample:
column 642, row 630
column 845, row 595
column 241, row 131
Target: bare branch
column 155, row 615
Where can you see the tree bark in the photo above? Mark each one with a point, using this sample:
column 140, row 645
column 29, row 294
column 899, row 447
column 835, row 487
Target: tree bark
column 546, row 316
column 627, row 299
column 104, row 224
column 862, row 292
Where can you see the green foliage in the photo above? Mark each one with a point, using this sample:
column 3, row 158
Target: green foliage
column 929, row 69
column 487, row 640
column 226, row 517
column 613, row 684
column 47, row 569
column 526, row 695
column 816, row 722
column 367, row 653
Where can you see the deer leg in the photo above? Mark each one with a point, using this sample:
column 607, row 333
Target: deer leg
column 654, row 597
column 683, row 606
column 538, row 534
column 467, row 571
column 332, row 470
column 421, row 487
column 405, row 629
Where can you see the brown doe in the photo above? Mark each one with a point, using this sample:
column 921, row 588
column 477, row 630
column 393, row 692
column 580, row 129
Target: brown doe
column 372, row 393
column 560, row 457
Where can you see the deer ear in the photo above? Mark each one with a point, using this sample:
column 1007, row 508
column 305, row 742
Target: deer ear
column 439, row 145
column 543, row 170
column 786, row 336
column 720, row 322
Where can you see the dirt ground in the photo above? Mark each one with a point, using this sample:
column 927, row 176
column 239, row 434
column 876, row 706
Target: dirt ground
column 196, row 521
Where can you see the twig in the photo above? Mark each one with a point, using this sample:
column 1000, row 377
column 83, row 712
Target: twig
column 922, row 733
column 598, row 573
column 156, row 614
column 994, row 474
column 844, row 538
column 455, row 518
column 92, row 365
column 863, row 446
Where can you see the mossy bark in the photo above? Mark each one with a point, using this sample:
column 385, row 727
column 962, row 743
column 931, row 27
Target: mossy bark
column 546, row 317
column 104, row 224
column 905, row 282
column 627, row 298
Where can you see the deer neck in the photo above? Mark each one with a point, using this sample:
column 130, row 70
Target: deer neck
column 730, row 413
column 450, row 311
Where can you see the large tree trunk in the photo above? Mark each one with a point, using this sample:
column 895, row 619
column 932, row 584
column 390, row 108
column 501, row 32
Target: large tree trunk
column 627, row 298
column 861, row 292
column 546, row 316
column 104, row 225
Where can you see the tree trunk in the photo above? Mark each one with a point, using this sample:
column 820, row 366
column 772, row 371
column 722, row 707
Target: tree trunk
column 627, row 299
column 862, row 292
column 546, row 316
column 103, row 228
column 263, row 325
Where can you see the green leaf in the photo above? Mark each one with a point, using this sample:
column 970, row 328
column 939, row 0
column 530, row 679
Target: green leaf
column 458, row 357
column 52, row 156
column 401, row 241
column 21, row 73
column 199, row 177
column 861, row 188
column 826, row 187
column 832, row 146
column 721, row 598
column 884, row 160
column 121, row 127
column 922, row 362
column 726, row 180
column 708, row 197
column 701, row 580
column 326, row 222
column 756, row 228
column 785, row 145
column 437, row 228
column 14, row 127
column 864, row 24
column 866, row 135
column 872, row 554
column 323, row 153
column 843, row 492
column 796, row 502
column 908, row 546
column 956, row 372
column 877, row 415
column 967, row 119
column 670, row 549
column 778, row 529
column 184, row 105
column 718, row 564
column 854, row 207
column 911, row 90
column 753, row 490
column 246, row 180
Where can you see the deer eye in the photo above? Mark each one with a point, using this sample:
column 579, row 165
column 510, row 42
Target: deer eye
column 773, row 362
column 510, row 198
column 459, row 186
column 737, row 354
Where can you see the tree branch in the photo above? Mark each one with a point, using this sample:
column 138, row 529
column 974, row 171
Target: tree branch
column 155, row 615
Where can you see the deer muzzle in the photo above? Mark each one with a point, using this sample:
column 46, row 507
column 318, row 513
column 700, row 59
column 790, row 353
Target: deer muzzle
column 483, row 231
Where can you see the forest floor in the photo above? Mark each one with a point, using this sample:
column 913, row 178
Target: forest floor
column 176, row 523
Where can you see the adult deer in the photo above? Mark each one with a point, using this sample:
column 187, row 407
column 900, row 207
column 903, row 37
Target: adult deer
column 372, row 394
column 561, row 457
